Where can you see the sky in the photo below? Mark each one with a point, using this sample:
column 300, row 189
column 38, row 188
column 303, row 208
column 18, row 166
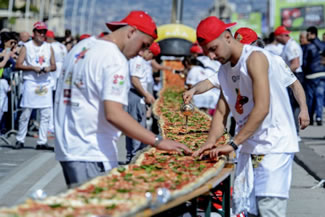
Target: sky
column 80, row 21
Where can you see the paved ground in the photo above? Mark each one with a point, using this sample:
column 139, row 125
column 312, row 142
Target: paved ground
column 24, row 171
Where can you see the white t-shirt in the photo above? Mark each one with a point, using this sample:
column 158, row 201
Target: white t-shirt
column 208, row 99
column 277, row 132
column 207, row 62
column 139, row 68
column 4, row 89
column 93, row 71
column 37, row 56
column 274, row 48
column 285, row 75
column 292, row 50
column 60, row 51
column 149, row 72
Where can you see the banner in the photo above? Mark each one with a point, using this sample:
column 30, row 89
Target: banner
column 298, row 15
column 252, row 20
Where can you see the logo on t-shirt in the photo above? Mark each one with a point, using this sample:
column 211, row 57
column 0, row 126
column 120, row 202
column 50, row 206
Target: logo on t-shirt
column 235, row 78
column 41, row 90
column 82, row 54
column 240, row 101
column 118, row 84
column 40, row 60
column 118, row 79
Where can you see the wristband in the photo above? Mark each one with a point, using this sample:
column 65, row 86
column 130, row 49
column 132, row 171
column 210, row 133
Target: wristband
column 233, row 145
column 158, row 139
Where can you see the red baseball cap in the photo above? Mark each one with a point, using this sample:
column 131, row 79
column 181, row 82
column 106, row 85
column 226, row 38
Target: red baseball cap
column 50, row 34
column 84, row 36
column 155, row 48
column 281, row 30
column 196, row 48
column 139, row 19
column 211, row 28
column 245, row 35
column 39, row 25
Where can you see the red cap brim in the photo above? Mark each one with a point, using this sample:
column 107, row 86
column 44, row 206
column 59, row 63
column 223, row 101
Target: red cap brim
column 229, row 25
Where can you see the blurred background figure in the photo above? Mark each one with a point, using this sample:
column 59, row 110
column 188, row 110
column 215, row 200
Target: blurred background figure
column 273, row 45
column 292, row 56
column 60, row 51
column 139, row 96
column 315, row 75
column 196, row 72
column 37, row 60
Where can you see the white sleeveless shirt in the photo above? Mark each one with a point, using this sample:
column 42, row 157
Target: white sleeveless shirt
column 277, row 133
column 37, row 56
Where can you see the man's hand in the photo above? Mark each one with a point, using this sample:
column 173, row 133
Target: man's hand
column 149, row 99
column 37, row 69
column 170, row 145
column 222, row 149
column 205, row 147
column 303, row 118
column 187, row 95
column 47, row 69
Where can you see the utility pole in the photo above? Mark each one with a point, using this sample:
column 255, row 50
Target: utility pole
column 74, row 15
column 41, row 11
column 50, row 21
column 27, row 14
column 177, row 11
column 91, row 17
column 83, row 17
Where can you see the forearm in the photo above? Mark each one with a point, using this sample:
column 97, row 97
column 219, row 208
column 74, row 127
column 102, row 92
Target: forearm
column 219, row 120
column 158, row 66
column 294, row 64
column 217, row 128
column 124, row 122
column 137, row 85
column 24, row 68
column 52, row 67
column 299, row 95
column 3, row 62
column 203, row 86
column 254, row 120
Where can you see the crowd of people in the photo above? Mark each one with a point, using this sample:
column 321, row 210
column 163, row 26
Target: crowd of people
column 88, row 92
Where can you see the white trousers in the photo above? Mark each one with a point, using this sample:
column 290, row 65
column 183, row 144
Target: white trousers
column 44, row 124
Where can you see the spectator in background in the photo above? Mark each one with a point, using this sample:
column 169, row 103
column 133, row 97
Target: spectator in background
column 273, row 45
column 4, row 89
column 102, row 34
column 24, row 37
column 139, row 95
column 8, row 42
column 196, row 73
column 315, row 75
column 84, row 36
column 292, row 55
column 36, row 60
column 303, row 40
column 69, row 41
column 196, row 50
column 60, row 51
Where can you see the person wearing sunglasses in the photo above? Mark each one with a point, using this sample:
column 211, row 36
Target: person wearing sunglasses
column 36, row 60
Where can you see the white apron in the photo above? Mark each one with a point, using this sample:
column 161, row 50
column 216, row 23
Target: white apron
column 36, row 94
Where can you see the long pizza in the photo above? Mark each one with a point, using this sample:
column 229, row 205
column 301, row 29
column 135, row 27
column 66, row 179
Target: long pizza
column 122, row 191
